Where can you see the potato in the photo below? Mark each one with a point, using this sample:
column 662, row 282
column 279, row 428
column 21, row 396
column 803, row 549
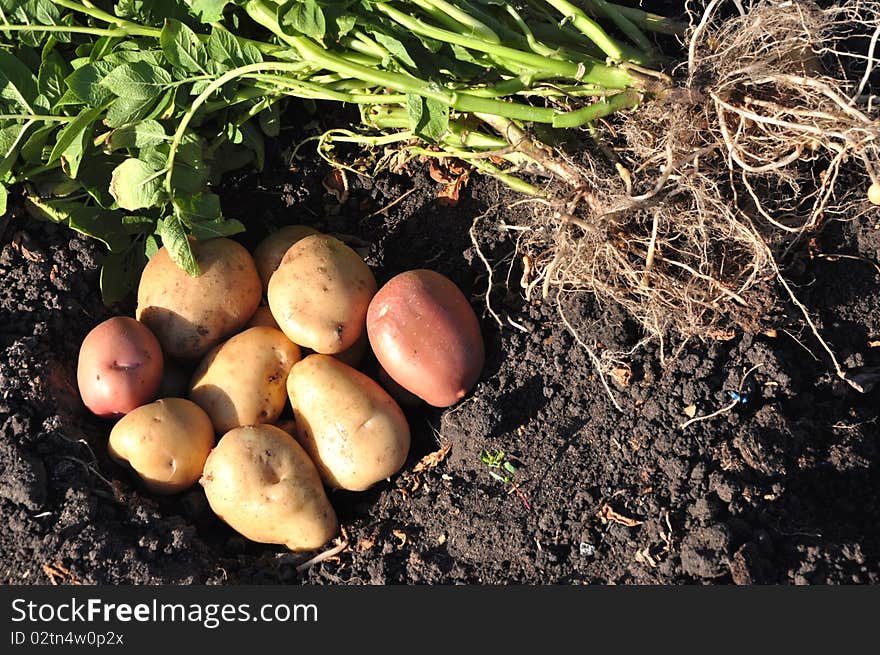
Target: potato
column 270, row 251
column 320, row 292
column 165, row 442
column 262, row 318
column 352, row 429
column 426, row 336
column 190, row 315
column 262, row 483
column 242, row 381
column 120, row 367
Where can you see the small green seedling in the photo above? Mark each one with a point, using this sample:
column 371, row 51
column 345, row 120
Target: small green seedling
column 503, row 470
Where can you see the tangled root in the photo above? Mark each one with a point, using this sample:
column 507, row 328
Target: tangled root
column 720, row 178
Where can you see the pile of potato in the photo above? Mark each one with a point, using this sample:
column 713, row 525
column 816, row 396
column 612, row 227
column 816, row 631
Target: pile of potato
column 222, row 363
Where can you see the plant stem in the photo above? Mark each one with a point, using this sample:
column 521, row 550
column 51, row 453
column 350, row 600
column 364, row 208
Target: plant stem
column 75, row 29
column 589, row 28
column 36, row 117
column 624, row 100
column 608, row 76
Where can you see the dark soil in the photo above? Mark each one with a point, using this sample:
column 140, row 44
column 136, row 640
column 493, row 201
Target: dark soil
column 783, row 488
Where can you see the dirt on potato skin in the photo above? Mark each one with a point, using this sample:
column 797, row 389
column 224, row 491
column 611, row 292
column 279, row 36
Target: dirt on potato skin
column 784, row 488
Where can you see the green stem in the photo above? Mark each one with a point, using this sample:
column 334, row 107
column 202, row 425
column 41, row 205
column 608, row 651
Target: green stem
column 589, row 28
column 624, row 100
column 36, row 117
column 651, row 22
column 477, row 28
column 312, row 52
column 517, row 184
column 624, row 24
column 595, row 72
column 535, row 45
column 90, row 10
column 75, row 29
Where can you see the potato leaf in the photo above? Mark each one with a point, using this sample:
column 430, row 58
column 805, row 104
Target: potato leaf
column 101, row 225
column 2, row 200
column 395, row 47
column 17, row 84
column 175, row 240
column 50, row 79
column 429, row 119
column 303, row 16
column 121, row 271
column 84, row 83
column 207, row 11
column 74, row 131
column 201, row 214
column 139, row 135
column 182, row 47
column 136, row 185
column 224, row 48
column 140, row 80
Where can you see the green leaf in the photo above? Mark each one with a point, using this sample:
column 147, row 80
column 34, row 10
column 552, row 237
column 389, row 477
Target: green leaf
column 50, row 80
column 198, row 208
column 137, row 80
column 32, row 12
column 270, row 120
column 395, row 47
column 121, row 56
column 201, row 214
column 73, row 131
column 207, row 11
column 84, row 83
column 182, row 47
column 32, row 150
column 151, row 246
column 429, row 119
column 175, row 240
column 95, row 179
column 121, row 271
column 139, row 135
column 128, row 110
column 17, row 84
column 101, row 225
column 250, row 54
column 224, row 48
column 134, row 225
column 191, row 170
column 345, row 24
column 303, row 16
column 11, row 138
column 136, row 185
column 2, row 200
column 253, row 140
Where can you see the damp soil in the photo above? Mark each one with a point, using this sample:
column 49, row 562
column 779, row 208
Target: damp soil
column 782, row 486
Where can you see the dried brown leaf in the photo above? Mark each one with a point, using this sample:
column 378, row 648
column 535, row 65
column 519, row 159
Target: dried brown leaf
column 606, row 514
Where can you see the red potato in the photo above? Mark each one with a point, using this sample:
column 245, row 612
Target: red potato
column 426, row 336
column 120, row 367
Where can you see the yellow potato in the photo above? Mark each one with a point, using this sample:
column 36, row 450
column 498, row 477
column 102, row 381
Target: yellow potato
column 262, row 483
column 165, row 442
column 190, row 315
column 320, row 293
column 242, row 381
column 270, row 251
column 352, row 429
